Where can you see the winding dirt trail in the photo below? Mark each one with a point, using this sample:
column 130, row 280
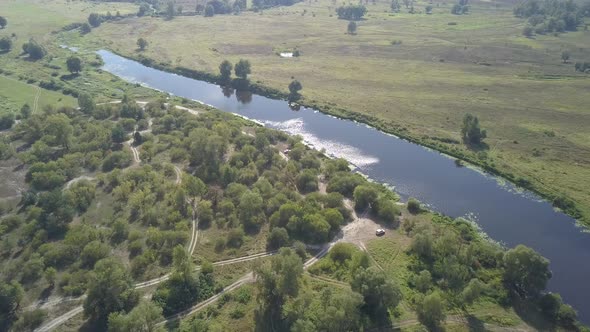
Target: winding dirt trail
column 79, row 309
column 36, row 101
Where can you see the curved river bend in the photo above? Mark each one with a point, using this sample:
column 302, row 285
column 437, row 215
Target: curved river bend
column 505, row 214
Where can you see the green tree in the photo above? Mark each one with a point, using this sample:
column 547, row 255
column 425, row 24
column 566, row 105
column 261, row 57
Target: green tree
column 294, row 88
column 550, row 304
column 351, row 12
column 3, row 22
column 277, row 281
column 567, row 316
column 414, row 205
column 423, row 281
column 307, row 181
column 50, row 274
column 242, row 69
column 527, row 31
column 422, row 244
column 388, row 210
column 472, row 291
column 5, row 44
column 11, row 294
column 526, row 271
column 565, row 56
column 250, row 209
column 34, row 50
column 93, row 252
column 395, row 6
column 142, row 44
column 193, row 186
column 86, row 103
column 59, row 130
column 471, row 131
column 225, row 69
column 144, row 8
column 25, row 111
column 170, row 10
column 85, row 28
column 6, row 120
column 209, row 10
column 380, row 293
column 365, row 196
column 184, row 287
column 143, row 318
column 118, row 134
column 110, row 289
column 351, row 28
column 74, row 64
column 94, row 20
column 278, row 238
column 431, row 311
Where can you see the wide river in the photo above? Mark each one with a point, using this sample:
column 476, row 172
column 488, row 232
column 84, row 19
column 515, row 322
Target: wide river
column 506, row 214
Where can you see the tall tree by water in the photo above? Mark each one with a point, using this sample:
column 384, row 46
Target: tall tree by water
column 471, row 131
column 526, row 271
column 225, row 69
column 242, row 69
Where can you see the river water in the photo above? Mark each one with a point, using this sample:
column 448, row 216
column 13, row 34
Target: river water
column 506, row 214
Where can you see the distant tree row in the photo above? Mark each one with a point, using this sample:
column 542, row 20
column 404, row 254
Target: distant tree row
column 546, row 16
column 262, row 4
column 460, row 8
column 583, row 67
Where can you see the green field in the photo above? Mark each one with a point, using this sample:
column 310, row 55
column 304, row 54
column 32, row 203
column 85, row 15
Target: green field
column 14, row 93
column 533, row 106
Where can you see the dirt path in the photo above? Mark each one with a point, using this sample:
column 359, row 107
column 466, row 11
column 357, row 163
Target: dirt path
column 80, row 178
column 359, row 228
column 191, row 111
column 246, row 279
column 178, row 175
column 134, row 151
column 329, row 280
column 36, row 101
column 70, row 314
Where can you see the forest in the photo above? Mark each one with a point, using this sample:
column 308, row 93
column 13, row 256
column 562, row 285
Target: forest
column 119, row 191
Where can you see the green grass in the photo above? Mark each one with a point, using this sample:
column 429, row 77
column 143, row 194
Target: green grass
column 39, row 20
column 390, row 253
column 253, row 244
column 14, row 93
column 421, row 88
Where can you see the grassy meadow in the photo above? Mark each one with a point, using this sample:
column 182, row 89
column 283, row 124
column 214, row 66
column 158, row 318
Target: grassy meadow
column 533, row 106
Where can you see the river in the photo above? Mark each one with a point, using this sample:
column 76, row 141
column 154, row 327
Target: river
column 502, row 211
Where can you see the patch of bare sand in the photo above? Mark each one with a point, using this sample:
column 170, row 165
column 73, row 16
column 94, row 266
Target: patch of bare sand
column 362, row 228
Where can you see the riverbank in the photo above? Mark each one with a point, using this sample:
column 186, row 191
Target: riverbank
column 418, row 88
column 558, row 199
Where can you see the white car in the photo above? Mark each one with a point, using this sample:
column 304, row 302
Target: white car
column 380, row 232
